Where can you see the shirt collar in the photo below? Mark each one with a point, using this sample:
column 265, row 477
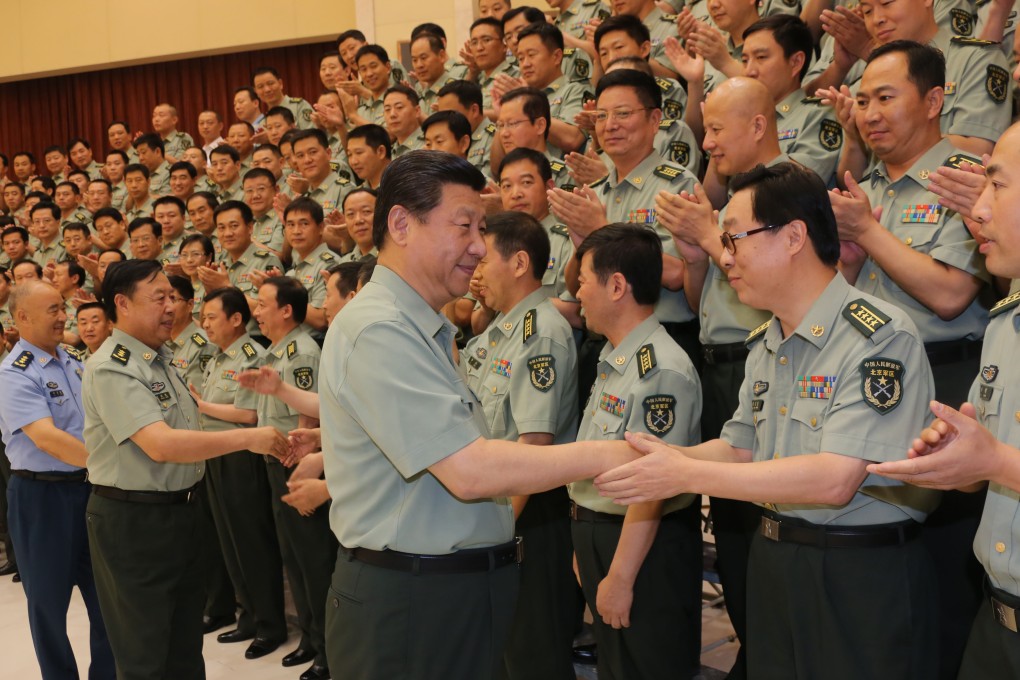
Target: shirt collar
column 138, row 348
column 410, row 302
column 278, row 348
column 507, row 324
column 919, row 172
column 620, row 357
column 639, row 175
column 818, row 324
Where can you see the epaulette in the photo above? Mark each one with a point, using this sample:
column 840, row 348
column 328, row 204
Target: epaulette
column 342, row 181
column 666, row 123
column 291, row 348
column 668, row 172
column 121, row 354
column 1003, row 305
column 569, row 51
column 199, row 340
column 664, row 84
column 248, row 350
column 334, row 166
column 23, row 360
column 961, row 40
column 261, row 253
column 958, row 159
column 557, row 166
column 671, row 18
column 811, row 100
column 74, row 352
column 864, row 318
column 80, row 216
column 560, row 229
column 757, row 333
column 529, row 326
column 491, row 128
column 327, row 256
column 646, row 360
column 599, row 182
column 589, row 3
column 295, row 100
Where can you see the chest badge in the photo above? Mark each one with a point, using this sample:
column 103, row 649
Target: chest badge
column 990, row 373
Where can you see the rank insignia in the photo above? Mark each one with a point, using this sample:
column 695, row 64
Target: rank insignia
column 990, row 373
column 962, row 21
column 303, row 377
column 155, row 387
column 760, row 387
column 757, row 333
column 52, row 385
column 830, row 135
column 291, row 348
column 949, row 88
column 672, row 109
column 788, row 134
column 229, row 374
column 199, row 340
column 680, row 152
column 610, row 403
column 666, row 172
column 529, row 326
column 642, row 216
column 474, row 363
column 646, row 360
column 248, row 350
column 863, row 318
column 921, row 213
column 958, row 159
column 120, row 354
column 815, row 386
column 308, row 279
column 556, row 166
column 502, row 367
column 986, row 392
column 1004, row 304
column 997, row 82
column 163, row 396
column 481, row 352
column 757, row 405
column 660, row 413
column 882, row 383
column 543, row 372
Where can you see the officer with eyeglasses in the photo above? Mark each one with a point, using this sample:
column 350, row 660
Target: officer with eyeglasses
column 839, row 582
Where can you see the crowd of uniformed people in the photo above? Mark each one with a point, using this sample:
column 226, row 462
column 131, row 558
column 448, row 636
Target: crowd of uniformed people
column 456, row 348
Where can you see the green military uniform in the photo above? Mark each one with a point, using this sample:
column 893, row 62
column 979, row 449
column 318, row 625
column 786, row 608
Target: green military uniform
column 852, row 379
column 524, row 370
column 390, row 352
column 57, row 178
column 159, row 180
column 143, row 210
column 356, row 255
column 674, row 98
column 810, row 134
column 560, row 173
column 54, row 251
column 235, row 192
column 171, row 252
column 253, row 258
column 80, row 215
column 572, row 20
column 6, row 319
column 268, row 231
column 675, row 141
column 767, row 8
column 480, row 152
column 485, row 80
column 118, row 194
column 239, row 498
column 428, row 95
column 415, row 141
column 94, row 170
column 991, row 651
column 177, row 143
column 566, row 98
column 191, row 353
column 309, row 272
column 330, row 192
column 147, row 562
column 561, row 249
column 371, row 109
column 978, row 88
column 301, row 109
column 576, row 66
column 71, row 325
column 646, row 384
column 246, row 164
column 306, row 543
column 196, row 308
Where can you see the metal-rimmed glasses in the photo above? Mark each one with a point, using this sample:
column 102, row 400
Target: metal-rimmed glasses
column 729, row 241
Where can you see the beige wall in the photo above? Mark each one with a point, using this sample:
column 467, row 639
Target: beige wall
column 84, row 36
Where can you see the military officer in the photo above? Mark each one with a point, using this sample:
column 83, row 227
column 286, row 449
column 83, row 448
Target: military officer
column 169, row 211
column 374, row 70
column 164, row 123
column 93, row 327
column 41, row 421
column 234, row 221
column 259, row 192
column 269, row 86
column 139, row 195
column 225, row 171
column 46, row 227
column 189, row 345
column 325, row 186
column 303, row 226
column 359, row 210
column 145, row 460
column 150, row 150
column 306, row 543
column 428, row 59
column 624, row 35
column 523, row 368
column 401, row 109
column 237, row 483
column 468, row 99
column 574, row 15
column 525, row 121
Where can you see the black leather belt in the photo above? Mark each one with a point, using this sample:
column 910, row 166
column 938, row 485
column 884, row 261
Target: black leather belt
column 675, row 328
column 722, row 354
column 952, row 351
column 786, row 530
column 150, row 497
column 1004, row 606
column 462, row 562
column 582, row 514
column 76, row 476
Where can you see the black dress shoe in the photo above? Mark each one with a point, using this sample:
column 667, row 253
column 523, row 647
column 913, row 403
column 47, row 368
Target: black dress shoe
column 214, row 623
column 586, row 655
column 6, row 569
column 17, row 577
column 261, row 646
column 298, row 657
column 236, row 635
column 316, row 672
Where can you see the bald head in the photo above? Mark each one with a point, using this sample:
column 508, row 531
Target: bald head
column 743, row 97
column 38, row 312
column 28, row 293
column 740, row 126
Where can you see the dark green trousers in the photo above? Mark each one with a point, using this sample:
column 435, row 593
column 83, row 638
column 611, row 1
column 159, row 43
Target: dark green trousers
column 383, row 624
column 993, row 651
column 219, row 591
column 308, row 549
column 542, row 635
column 841, row 613
column 239, row 496
column 147, row 561
column 664, row 638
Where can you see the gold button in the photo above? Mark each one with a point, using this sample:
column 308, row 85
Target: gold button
column 1000, row 547
column 871, row 276
column 814, row 421
column 620, row 360
column 492, row 344
column 603, row 428
column 782, row 361
column 775, row 456
column 1017, row 416
column 782, row 410
column 493, row 390
column 617, row 199
column 891, row 193
column 908, row 240
column 603, row 376
column 756, row 420
column 704, row 314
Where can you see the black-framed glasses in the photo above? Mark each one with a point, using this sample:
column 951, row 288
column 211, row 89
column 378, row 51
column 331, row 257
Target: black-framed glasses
column 729, row 241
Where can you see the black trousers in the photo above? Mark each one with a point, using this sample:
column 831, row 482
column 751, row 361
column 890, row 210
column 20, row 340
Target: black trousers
column 993, row 651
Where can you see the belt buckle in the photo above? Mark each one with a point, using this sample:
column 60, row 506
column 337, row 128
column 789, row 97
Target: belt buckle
column 519, row 556
column 770, row 528
column 1006, row 616
column 187, row 499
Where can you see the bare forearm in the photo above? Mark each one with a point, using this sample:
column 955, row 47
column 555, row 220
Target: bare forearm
column 672, row 273
column 190, row 446
column 229, row 413
column 565, row 136
column 833, row 76
column 305, row 403
column 639, row 528
column 695, row 274
column 1008, row 474
column 814, row 479
column 64, row 447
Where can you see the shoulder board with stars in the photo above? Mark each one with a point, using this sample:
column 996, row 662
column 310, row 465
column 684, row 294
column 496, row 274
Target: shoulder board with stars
column 666, row 123
column 199, row 340
column 343, row 181
column 663, row 84
column 811, row 100
column 23, row 360
column 248, row 350
column 961, row 40
column 757, row 333
column 74, row 352
column 327, row 256
column 491, row 128
column 530, row 327
column 334, row 166
column 121, row 355
column 291, row 348
column 670, row 172
column 557, row 166
column 560, row 229
column 867, row 319
column 1005, row 304
column 295, row 100
column 261, row 253
column 958, row 159
column 670, row 18
column 569, row 51
column 646, row 360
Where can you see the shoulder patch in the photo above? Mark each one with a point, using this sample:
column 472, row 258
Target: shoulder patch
column 997, row 82
column 327, row 256
column 199, row 340
column 529, row 326
column 882, row 383
column 295, row 100
column 261, row 253
column 668, row 172
column 543, row 372
column 811, row 100
column 671, row 108
column 757, row 332
column 491, row 128
column 24, row 359
column 962, row 21
column 334, row 166
column 660, row 413
column 958, row 159
column 121, row 354
column 960, row 40
column 864, row 318
column 291, row 348
column 646, row 360
column 569, row 51
column 248, row 350
column 1005, row 304
column 303, row 378
column 670, row 18
column 830, row 135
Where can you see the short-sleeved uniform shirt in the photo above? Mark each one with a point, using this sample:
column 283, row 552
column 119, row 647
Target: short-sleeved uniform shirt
column 566, row 98
column 523, row 368
column 53, row 251
column 674, row 98
column 159, row 180
column 309, row 271
column 428, row 95
column 394, row 404
column 302, row 111
column 171, row 252
column 177, row 143
column 37, row 385
column 480, row 152
column 371, row 109
column 143, row 210
column 572, row 20
column 357, row 256
column 675, row 141
column 485, row 80
column 561, row 249
column 235, row 192
column 252, row 259
column 810, row 134
column 128, row 386
column 646, row 384
column 330, row 192
column 94, row 170
column 78, row 215
column 913, row 214
column 191, row 353
column 852, row 379
column 296, row 359
column 268, row 231
column 220, row 384
column 414, row 141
